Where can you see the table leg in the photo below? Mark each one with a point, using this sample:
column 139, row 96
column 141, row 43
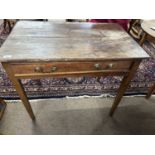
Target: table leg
column 19, row 89
column 2, row 107
column 152, row 89
column 125, row 82
column 2, row 101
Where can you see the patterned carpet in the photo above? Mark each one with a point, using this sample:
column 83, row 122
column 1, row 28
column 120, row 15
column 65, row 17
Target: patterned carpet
column 60, row 87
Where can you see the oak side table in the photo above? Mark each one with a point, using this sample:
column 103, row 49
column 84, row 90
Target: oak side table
column 44, row 49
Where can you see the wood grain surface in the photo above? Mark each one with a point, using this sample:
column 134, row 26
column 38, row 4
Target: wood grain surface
column 36, row 41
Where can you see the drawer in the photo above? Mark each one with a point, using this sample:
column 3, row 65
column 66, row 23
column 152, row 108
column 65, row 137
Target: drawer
column 54, row 67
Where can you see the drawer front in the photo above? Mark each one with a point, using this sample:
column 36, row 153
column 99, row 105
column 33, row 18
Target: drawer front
column 57, row 67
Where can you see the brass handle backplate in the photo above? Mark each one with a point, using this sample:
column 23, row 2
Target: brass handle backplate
column 53, row 69
column 111, row 65
column 97, row 66
column 38, row 69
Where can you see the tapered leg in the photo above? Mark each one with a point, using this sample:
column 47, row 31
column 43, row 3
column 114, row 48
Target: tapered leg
column 152, row 89
column 125, row 82
column 2, row 101
column 19, row 89
column 2, row 107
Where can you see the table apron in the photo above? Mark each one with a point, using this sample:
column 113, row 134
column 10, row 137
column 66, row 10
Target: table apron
column 73, row 74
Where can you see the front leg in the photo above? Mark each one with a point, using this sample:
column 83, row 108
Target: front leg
column 125, row 82
column 19, row 88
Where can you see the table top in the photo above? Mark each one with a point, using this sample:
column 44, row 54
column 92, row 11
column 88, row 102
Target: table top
column 37, row 41
column 147, row 25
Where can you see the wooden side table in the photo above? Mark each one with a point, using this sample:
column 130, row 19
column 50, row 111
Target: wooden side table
column 44, row 49
column 148, row 32
column 2, row 107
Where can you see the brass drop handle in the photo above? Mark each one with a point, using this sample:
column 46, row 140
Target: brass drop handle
column 97, row 66
column 111, row 65
column 38, row 69
column 53, row 69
